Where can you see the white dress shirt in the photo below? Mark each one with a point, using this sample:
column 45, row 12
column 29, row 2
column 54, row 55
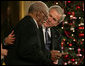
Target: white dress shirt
column 49, row 32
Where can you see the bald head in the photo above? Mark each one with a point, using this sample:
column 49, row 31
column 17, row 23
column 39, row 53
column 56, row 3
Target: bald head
column 37, row 7
column 39, row 11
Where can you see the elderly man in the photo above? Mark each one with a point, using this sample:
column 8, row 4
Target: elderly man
column 27, row 48
column 51, row 36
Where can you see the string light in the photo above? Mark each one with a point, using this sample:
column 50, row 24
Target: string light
column 74, row 39
column 71, row 15
column 79, row 17
column 72, row 35
column 61, row 27
column 56, row 2
column 65, row 63
column 72, row 28
column 71, row 48
column 76, row 62
column 82, row 39
column 66, row 22
column 74, row 17
column 81, row 23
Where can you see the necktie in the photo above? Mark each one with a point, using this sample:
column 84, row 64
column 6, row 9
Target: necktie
column 48, row 40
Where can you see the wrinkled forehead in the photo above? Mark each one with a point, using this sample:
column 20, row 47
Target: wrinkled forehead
column 55, row 14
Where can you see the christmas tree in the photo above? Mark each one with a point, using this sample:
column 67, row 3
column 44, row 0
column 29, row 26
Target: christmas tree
column 72, row 30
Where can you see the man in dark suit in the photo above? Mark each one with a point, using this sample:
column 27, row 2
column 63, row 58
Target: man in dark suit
column 27, row 48
column 53, row 42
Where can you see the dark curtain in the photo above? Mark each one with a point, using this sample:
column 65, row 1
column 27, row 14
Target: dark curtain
column 9, row 17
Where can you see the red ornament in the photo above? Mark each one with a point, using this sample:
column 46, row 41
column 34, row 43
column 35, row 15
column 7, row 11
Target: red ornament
column 73, row 13
column 69, row 1
column 81, row 42
column 78, row 7
column 79, row 49
column 64, row 39
column 80, row 27
column 81, row 35
column 66, row 56
column 62, row 44
column 70, row 44
column 69, row 13
column 72, row 60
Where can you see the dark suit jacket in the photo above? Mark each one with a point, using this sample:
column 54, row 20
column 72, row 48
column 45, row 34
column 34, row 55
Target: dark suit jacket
column 27, row 49
column 56, row 42
column 55, row 39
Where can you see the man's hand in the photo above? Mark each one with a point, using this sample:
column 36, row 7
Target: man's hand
column 3, row 51
column 55, row 62
column 55, row 54
column 10, row 39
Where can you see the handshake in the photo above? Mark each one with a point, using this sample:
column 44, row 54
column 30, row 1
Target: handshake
column 55, row 55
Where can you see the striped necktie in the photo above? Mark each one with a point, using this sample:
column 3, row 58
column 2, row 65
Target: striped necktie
column 48, row 40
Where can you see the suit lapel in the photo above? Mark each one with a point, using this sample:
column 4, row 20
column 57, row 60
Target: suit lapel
column 42, row 38
column 36, row 30
column 52, row 39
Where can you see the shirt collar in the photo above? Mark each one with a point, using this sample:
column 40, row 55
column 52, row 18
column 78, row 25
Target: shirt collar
column 36, row 23
column 45, row 27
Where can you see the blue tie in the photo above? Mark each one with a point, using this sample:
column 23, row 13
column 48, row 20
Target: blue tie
column 48, row 39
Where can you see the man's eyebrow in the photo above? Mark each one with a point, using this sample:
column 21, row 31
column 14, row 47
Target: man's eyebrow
column 54, row 19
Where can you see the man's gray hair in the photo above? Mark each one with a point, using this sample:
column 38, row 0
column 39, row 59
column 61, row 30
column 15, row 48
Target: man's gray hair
column 38, row 7
column 59, row 10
